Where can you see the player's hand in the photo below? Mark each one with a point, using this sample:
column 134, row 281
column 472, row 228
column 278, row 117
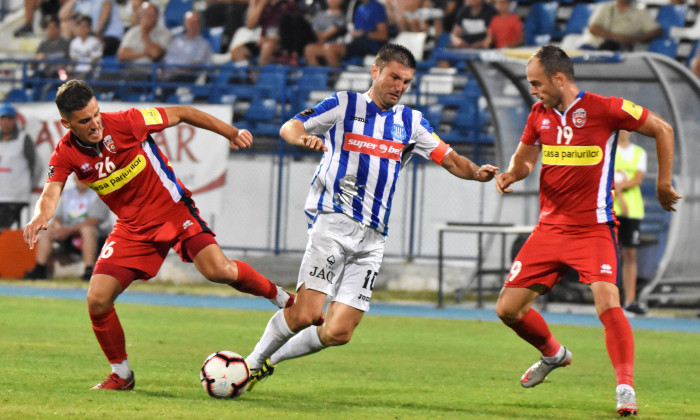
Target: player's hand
column 243, row 140
column 31, row 231
column 313, row 142
column 486, row 173
column 503, row 181
column 667, row 197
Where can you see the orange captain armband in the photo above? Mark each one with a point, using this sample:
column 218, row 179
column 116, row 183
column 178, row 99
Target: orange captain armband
column 439, row 153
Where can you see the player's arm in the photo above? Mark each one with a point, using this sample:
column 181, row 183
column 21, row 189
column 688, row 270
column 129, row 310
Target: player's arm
column 464, row 168
column 521, row 164
column 293, row 132
column 43, row 212
column 238, row 139
column 657, row 127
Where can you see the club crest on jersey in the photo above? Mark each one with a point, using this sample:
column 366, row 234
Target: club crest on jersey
column 398, row 132
column 579, row 117
column 109, row 144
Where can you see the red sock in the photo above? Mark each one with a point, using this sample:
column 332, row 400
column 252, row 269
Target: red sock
column 620, row 343
column 110, row 335
column 533, row 329
column 251, row 282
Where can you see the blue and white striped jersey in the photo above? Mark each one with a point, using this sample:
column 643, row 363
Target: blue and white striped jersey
column 366, row 150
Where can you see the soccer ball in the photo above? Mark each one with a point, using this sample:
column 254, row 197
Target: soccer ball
column 225, row 374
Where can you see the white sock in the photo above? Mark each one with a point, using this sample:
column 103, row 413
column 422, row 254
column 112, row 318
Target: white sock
column 281, row 299
column 556, row 357
column 622, row 387
column 305, row 342
column 276, row 334
column 122, row 369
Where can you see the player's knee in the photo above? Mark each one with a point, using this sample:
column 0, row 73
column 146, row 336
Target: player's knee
column 301, row 319
column 226, row 273
column 507, row 315
column 98, row 303
column 335, row 336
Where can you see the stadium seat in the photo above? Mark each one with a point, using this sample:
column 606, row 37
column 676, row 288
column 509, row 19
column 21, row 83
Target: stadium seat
column 261, row 117
column 665, row 46
column 540, row 24
column 353, row 81
column 20, row 95
column 578, row 21
column 174, row 12
column 214, row 36
column 414, row 41
column 671, row 15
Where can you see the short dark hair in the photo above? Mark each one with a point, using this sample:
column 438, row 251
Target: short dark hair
column 50, row 19
column 395, row 52
column 555, row 60
column 81, row 18
column 73, row 96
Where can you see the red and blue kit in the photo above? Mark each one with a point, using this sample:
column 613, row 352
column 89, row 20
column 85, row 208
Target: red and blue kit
column 135, row 179
column 576, row 183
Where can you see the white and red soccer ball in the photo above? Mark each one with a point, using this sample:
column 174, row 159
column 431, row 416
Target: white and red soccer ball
column 225, row 374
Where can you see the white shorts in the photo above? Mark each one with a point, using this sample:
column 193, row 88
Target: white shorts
column 342, row 259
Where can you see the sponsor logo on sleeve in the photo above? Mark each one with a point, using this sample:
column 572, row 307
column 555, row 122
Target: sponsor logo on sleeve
column 307, row 112
column 51, row 171
column 632, row 109
column 151, row 116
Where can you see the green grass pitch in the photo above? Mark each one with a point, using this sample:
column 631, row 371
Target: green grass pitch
column 394, row 368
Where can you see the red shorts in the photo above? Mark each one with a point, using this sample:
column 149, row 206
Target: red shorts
column 131, row 253
column 552, row 249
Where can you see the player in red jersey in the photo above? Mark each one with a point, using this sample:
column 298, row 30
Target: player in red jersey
column 114, row 154
column 576, row 132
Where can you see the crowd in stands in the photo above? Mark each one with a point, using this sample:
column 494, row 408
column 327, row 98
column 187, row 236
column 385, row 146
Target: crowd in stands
column 330, row 33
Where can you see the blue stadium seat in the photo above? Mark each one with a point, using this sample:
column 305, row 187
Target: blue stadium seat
column 671, row 15
column 540, row 24
column 578, row 21
column 20, row 95
column 174, row 12
column 214, row 35
column 665, row 46
column 261, row 118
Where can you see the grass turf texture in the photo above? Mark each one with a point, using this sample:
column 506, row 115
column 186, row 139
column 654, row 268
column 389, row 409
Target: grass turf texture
column 399, row 368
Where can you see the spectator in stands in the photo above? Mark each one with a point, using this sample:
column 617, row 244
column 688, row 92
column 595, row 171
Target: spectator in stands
column 85, row 48
column 188, row 49
column 53, row 47
column 295, row 33
column 506, row 28
column 416, row 16
column 265, row 14
column 81, row 223
column 330, row 27
column 630, row 166
column 619, row 25
column 371, row 30
column 471, row 25
column 18, row 166
column 106, row 25
column 47, row 7
column 449, row 13
column 230, row 14
column 146, row 42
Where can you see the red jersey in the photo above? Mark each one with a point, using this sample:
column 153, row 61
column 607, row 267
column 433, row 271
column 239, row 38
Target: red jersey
column 127, row 169
column 578, row 156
